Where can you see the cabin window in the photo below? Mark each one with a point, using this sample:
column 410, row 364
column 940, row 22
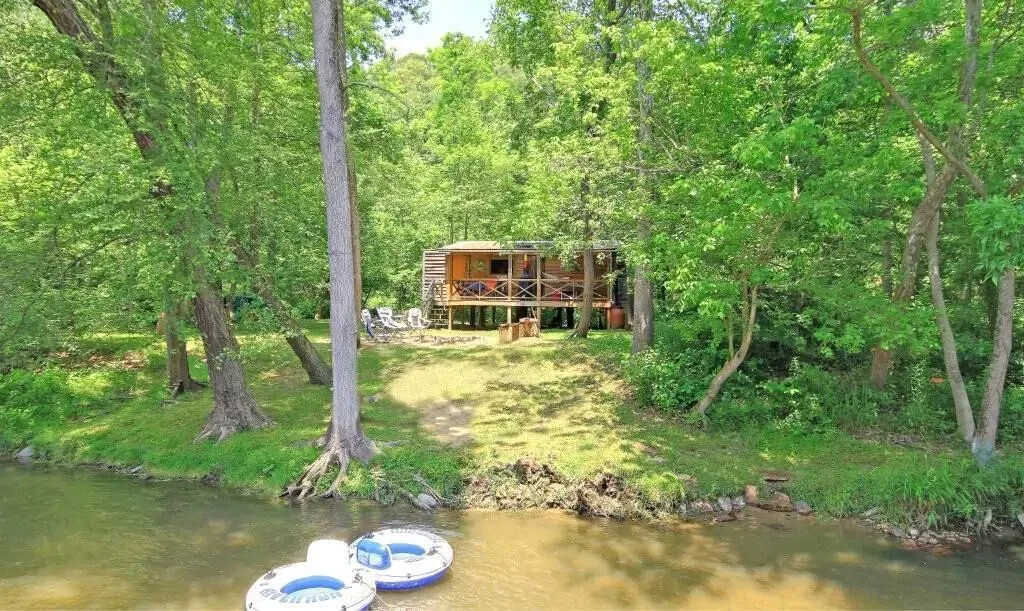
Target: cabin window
column 499, row 267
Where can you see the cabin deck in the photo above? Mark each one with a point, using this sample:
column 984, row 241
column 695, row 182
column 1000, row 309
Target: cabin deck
column 481, row 274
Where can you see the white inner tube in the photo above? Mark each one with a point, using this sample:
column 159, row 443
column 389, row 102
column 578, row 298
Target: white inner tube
column 325, row 581
column 403, row 558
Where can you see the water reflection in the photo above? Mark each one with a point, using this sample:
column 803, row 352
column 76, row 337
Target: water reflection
column 94, row 540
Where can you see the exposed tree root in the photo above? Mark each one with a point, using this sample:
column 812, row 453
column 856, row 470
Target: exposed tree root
column 223, row 423
column 180, row 387
column 334, row 454
column 409, row 496
column 221, row 432
column 307, row 482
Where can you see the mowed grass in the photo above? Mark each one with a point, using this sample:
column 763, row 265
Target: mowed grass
column 444, row 412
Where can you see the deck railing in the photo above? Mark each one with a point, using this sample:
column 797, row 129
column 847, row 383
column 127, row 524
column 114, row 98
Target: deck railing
column 499, row 289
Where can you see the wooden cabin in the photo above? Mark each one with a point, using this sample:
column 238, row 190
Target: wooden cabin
column 519, row 275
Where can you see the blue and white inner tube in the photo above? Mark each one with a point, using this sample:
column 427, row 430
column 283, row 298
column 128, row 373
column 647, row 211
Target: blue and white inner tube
column 325, row 581
column 403, row 558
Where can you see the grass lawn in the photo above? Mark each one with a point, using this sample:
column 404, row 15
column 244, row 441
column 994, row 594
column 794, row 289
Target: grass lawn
column 449, row 411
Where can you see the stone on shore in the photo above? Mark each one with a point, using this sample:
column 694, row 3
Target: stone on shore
column 703, row 506
column 750, row 494
column 425, row 500
column 25, row 455
column 780, row 501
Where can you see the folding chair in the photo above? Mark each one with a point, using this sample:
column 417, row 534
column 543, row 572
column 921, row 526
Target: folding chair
column 416, row 321
column 375, row 329
column 388, row 319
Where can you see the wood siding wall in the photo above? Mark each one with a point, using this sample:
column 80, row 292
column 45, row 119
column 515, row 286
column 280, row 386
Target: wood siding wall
column 434, row 268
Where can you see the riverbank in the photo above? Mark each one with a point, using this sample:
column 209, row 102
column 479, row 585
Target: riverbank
column 76, row 539
column 538, row 423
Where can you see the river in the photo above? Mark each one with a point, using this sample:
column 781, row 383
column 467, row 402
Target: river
column 79, row 539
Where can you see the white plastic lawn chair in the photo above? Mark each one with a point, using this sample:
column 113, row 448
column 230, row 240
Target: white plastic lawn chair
column 414, row 317
column 375, row 329
column 387, row 318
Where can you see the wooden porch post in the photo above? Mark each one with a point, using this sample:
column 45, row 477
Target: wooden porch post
column 538, row 290
column 451, row 310
column 508, row 317
column 448, row 277
column 510, row 276
column 610, row 283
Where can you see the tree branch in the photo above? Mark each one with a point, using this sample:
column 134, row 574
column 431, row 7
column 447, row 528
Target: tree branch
column 99, row 63
column 904, row 103
column 348, row 84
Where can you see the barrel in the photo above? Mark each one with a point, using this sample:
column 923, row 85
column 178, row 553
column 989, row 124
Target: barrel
column 616, row 318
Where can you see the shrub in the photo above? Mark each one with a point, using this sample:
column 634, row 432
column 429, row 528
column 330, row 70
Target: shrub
column 733, row 411
column 802, row 400
column 1011, row 418
column 29, row 399
column 670, row 381
column 927, row 405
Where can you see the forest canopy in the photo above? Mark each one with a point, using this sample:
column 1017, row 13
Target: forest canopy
column 820, row 204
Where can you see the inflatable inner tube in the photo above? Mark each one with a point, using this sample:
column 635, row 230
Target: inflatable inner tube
column 324, row 582
column 403, row 558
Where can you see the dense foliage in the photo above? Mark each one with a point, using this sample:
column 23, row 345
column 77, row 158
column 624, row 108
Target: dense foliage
column 770, row 189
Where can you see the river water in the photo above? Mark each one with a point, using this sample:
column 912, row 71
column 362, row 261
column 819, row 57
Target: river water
column 81, row 539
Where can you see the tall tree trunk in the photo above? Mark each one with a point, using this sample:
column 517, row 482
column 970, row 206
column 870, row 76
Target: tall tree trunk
column 587, row 307
column 984, row 445
column 345, row 439
column 881, row 362
column 179, row 378
column 961, row 402
column 353, row 184
column 643, row 292
column 234, row 409
column 730, row 367
column 643, row 305
column 882, row 357
column 317, row 370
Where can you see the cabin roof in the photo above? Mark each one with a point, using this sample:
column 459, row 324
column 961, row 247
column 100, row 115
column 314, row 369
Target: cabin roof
column 517, row 246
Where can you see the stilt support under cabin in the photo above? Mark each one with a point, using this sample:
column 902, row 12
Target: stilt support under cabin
column 451, row 311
